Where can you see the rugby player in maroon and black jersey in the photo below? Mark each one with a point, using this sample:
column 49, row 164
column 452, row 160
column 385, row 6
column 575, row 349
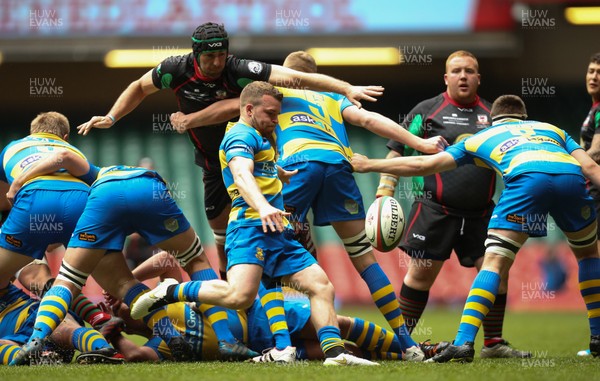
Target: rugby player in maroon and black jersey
column 451, row 210
column 590, row 130
column 208, row 76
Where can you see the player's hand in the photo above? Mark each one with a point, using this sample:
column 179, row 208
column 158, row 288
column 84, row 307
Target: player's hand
column 284, row 175
column 12, row 191
column 433, row 145
column 359, row 163
column 272, row 218
column 179, row 121
column 357, row 93
column 95, row 122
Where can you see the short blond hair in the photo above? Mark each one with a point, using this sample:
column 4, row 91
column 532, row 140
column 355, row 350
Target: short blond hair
column 51, row 122
column 253, row 93
column 462, row 53
column 301, row 61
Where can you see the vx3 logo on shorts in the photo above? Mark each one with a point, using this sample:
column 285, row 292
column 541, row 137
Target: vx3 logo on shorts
column 420, row 237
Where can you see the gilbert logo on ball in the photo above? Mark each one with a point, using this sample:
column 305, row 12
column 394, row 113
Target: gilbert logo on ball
column 384, row 223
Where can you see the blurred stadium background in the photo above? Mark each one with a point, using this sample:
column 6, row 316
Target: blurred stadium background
column 56, row 55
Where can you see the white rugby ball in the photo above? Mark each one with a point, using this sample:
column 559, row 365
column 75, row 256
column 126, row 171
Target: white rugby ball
column 384, row 223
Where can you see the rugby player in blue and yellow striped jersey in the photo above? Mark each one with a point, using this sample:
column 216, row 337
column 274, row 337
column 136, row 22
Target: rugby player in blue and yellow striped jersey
column 312, row 139
column 543, row 170
column 46, row 209
column 259, row 241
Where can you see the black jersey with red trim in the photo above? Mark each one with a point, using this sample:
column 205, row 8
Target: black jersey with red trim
column 195, row 92
column 591, row 127
column 466, row 190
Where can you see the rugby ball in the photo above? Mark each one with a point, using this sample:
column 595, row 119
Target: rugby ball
column 384, row 223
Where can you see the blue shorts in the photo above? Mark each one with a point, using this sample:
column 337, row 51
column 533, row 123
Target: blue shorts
column 277, row 253
column 527, row 200
column 118, row 208
column 41, row 217
column 329, row 189
column 297, row 314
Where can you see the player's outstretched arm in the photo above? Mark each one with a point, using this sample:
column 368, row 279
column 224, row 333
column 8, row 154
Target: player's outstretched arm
column 129, row 99
column 271, row 217
column 405, row 166
column 387, row 128
column 72, row 162
column 285, row 77
column 387, row 181
column 589, row 167
column 218, row 112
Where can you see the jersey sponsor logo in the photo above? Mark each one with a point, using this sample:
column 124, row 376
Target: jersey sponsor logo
column 516, row 219
column 14, row 241
column 260, row 255
column 463, row 110
column 30, row 159
column 508, row 145
column 87, row 237
column 171, row 224
column 208, row 84
column 255, row 67
column 420, row 237
column 302, row 118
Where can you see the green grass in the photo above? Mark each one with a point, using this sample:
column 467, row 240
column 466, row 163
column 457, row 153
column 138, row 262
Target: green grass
column 554, row 337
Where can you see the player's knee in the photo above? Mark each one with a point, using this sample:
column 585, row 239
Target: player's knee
column 499, row 244
column 240, row 300
column 358, row 245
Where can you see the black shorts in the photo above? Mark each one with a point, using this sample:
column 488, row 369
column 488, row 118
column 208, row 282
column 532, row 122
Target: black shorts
column 216, row 198
column 432, row 234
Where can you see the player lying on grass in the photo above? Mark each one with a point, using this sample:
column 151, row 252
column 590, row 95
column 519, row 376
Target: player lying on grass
column 364, row 338
column 17, row 316
column 139, row 202
column 543, row 170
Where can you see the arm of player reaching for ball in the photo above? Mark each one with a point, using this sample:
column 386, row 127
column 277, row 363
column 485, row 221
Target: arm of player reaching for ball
column 285, row 77
column 405, row 166
column 68, row 160
column 218, row 112
column 129, row 99
column 387, row 128
column 589, row 167
column 242, row 169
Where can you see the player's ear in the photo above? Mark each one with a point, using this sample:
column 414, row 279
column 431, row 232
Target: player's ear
column 446, row 79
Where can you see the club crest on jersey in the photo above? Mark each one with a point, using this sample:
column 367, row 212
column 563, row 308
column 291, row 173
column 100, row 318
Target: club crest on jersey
column 482, row 121
column 302, row 118
column 255, row 67
column 220, row 94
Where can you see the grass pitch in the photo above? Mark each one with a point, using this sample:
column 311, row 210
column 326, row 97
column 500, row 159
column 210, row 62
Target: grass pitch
column 553, row 337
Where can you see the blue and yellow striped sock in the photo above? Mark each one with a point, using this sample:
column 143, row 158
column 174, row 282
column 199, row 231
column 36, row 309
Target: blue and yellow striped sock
column 157, row 320
column 88, row 339
column 272, row 302
column 384, row 355
column 216, row 315
column 51, row 312
column 481, row 298
column 8, row 352
column 372, row 337
column 589, row 285
column 384, row 296
column 184, row 292
column 331, row 341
